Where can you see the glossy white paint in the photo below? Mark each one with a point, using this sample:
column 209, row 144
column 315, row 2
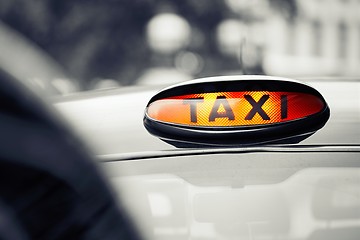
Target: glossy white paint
column 111, row 121
column 243, row 196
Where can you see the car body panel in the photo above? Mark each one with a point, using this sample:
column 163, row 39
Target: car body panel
column 243, row 196
column 302, row 191
column 112, row 121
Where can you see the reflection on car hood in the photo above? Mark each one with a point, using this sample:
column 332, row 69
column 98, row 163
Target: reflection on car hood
column 243, row 196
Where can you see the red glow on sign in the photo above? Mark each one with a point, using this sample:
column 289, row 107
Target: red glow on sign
column 227, row 109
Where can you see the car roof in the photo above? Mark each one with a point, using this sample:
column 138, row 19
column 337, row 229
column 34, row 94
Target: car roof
column 112, row 120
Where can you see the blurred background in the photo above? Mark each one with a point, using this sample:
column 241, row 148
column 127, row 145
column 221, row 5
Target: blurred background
column 78, row 45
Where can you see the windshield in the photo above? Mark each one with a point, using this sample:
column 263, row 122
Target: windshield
column 103, row 44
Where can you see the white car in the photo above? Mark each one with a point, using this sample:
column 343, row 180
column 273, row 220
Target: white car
column 231, row 178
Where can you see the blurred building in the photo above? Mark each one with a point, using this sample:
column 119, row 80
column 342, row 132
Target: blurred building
column 323, row 39
column 147, row 42
column 167, row 34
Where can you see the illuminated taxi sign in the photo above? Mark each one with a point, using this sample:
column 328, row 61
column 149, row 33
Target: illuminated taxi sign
column 227, row 109
column 236, row 111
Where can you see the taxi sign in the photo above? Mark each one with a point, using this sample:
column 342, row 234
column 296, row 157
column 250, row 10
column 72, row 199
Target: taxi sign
column 239, row 110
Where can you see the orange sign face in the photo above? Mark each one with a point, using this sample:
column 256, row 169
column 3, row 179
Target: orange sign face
column 232, row 109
